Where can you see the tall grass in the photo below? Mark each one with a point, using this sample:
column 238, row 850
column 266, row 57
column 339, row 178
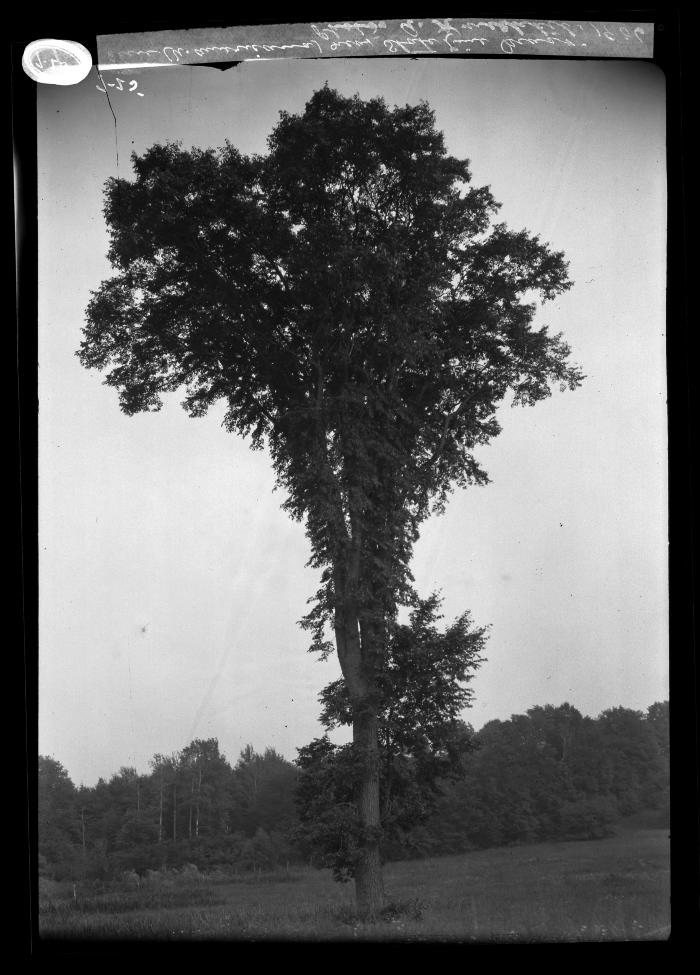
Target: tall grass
column 615, row 889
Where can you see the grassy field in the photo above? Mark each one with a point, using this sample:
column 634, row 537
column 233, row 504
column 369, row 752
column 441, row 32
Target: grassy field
column 616, row 889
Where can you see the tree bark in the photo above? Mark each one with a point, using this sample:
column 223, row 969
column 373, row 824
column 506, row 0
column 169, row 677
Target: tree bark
column 199, row 797
column 160, row 811
column 358, row 655
column 358, row 667
column 369, row 883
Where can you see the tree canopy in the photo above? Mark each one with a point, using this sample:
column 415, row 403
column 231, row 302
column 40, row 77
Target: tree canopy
column 349, row 300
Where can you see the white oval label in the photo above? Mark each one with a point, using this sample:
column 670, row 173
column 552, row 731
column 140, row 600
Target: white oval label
column 53, row 62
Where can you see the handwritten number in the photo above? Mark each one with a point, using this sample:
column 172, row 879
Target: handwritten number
column 119, row 85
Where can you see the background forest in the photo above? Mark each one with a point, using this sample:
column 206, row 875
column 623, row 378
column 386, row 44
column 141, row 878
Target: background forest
column 549, row 774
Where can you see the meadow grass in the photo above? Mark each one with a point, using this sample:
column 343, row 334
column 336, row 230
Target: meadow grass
column 614, row 889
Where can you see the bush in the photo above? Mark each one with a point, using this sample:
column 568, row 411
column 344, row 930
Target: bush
column 190, row 871
column 589, row 819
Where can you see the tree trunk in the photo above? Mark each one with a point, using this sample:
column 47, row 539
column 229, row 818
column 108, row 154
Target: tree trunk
column 369, row 884
column 359, row 658
column 199, row 796
column 160, row 812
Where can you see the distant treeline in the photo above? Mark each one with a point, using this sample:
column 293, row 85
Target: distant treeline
column 547, row 774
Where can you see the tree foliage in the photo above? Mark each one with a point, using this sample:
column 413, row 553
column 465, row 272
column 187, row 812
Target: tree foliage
column 57, row 822
column 263, row 792
column 554, row 773
column 424, row 687
column 508, row 784
column 349, row 300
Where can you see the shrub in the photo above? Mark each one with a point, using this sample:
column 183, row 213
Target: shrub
column 588, row 818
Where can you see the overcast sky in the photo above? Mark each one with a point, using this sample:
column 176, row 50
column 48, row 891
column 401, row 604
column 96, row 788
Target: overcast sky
column 171, row 581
